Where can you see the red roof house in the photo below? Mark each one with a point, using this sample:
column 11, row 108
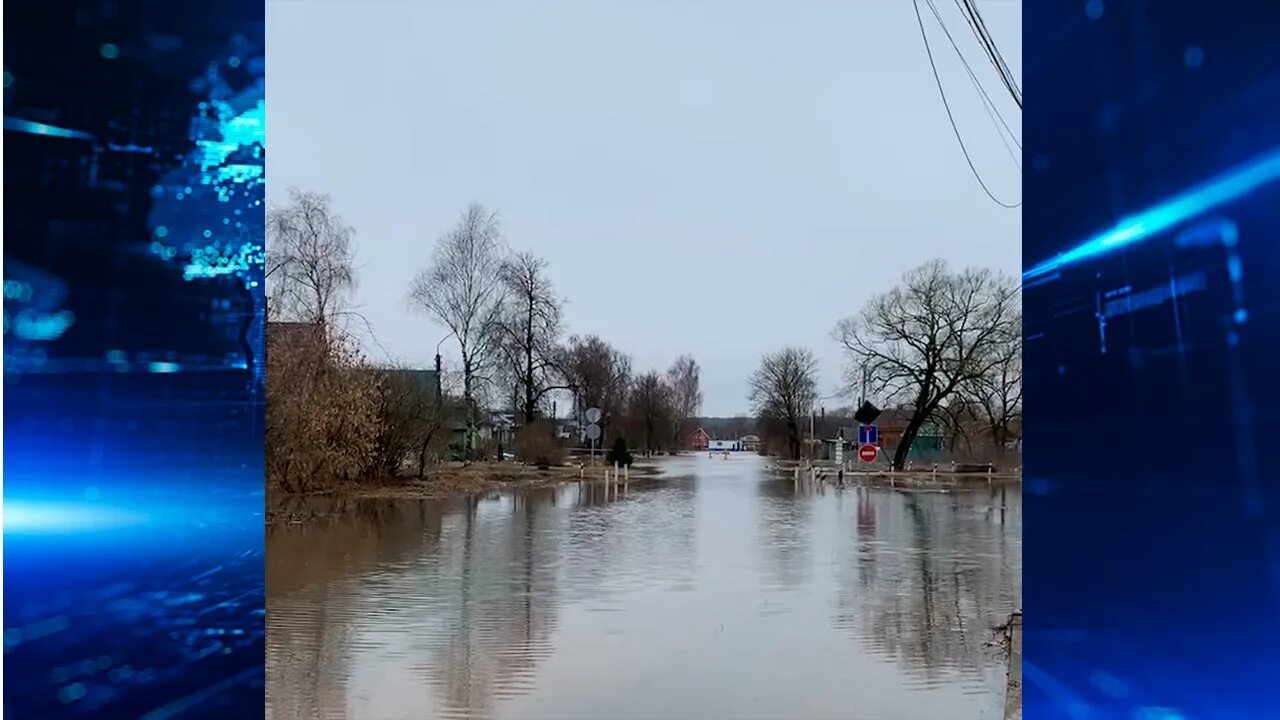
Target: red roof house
column 699, row 440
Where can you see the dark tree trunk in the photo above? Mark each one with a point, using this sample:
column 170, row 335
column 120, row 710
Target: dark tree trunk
column 529, row 411
column 469, row 402
column 1000, row 438
column 908, row 439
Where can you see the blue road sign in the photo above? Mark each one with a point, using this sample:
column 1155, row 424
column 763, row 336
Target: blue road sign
column 868, row 435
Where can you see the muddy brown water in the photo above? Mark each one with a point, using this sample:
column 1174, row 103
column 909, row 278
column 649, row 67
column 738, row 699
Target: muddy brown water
column 716, row 591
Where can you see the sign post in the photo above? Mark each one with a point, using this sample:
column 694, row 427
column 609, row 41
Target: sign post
column 593, row 434
column 868, row 435
column 593, row 430
column 868, row 453
column 840, row 449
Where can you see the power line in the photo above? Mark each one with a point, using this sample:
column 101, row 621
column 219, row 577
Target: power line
column 950, row 117
column 982, row 23
column 997, row 119
column 979, row 27
column 988, row 102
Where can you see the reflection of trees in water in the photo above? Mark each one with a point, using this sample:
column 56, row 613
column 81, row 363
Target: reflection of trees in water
column 307, row 663
column 785, row 537
column 865, row 552
column 468, row 587
column 505, row 566
column 638, row 539
column 928, row 590
column 349, row 537
column 314, row 606
column 496, row 618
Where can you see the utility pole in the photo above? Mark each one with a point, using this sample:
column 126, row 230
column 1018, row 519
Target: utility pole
column 439, row 388
column 439, row 371
column 811, row 418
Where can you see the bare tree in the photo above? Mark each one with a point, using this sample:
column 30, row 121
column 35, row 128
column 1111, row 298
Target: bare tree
column 321, row 414
column 598, row 375
column 686, row 394
column 530, row 325
column 784, row 390
column 310, row 260
column 463, row 288
column 412, row 421
column 955, row 417
column 651, row 407
column 996, row 394
column 922, row 341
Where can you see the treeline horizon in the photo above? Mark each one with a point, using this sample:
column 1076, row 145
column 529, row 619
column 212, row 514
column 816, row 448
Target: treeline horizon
column 943, row 344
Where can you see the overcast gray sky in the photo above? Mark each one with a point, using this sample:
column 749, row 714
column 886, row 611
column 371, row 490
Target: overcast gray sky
column 716, row 178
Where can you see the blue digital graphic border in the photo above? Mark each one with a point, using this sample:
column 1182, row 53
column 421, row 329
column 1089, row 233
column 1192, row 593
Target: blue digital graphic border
column 1152, row 541
column 134, row 133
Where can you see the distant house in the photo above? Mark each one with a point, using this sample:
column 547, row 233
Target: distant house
column 699, row 440
column 891, row 425
column 288, row 337
column 570, row 429
column 504, row 423
column 750, row 443
column 970, row 430
column 492, row 431
column 423, row 384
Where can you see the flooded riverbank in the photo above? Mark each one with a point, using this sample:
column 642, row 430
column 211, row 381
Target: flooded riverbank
column 449, row 481
column 716, row 591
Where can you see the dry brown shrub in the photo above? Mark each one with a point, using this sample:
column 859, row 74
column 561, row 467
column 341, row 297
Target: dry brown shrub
column 536, row 444
column 321, row 415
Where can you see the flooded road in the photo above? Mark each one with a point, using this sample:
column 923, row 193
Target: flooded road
column 716, row 592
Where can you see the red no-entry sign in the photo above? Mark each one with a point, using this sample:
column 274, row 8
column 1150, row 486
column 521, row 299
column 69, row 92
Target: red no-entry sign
column 868, row 453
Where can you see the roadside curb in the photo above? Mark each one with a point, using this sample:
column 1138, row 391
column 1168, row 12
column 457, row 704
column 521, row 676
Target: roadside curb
column 1013, row 691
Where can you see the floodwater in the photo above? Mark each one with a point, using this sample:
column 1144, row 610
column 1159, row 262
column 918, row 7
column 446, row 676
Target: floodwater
column 714, row 592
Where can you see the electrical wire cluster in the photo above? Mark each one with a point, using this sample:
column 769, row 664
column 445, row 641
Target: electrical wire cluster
column 979, row 27
column 974, row 19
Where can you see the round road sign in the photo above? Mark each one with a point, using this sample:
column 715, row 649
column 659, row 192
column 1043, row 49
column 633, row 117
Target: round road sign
column 593, row 432
column 593, row 415
column 868, row 453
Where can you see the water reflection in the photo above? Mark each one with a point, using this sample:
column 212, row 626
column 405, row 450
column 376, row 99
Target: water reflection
column 926, row 590
column 785, row 534
column 686, row 597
